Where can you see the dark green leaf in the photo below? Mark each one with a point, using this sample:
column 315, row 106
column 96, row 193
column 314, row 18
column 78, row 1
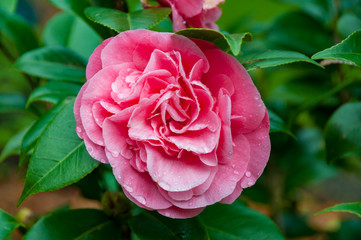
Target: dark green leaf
column 343, row 132
column 79, row 224
column 348, row 23
column 225, row 42
column 236, row 221
column 60, row 157
column 9, row 5
column 151, row 225
column 121, row 21
column 13, row 145
column 11, row 102
column 272, row 58
column 37, row 129
column 53, row 92
column 347, row 50
column 7, row 224
column 277, row 124
column 77, row 8
column 297, row 31
column 17, row 30
column 56, row 63
column 354, row 208
column 69, row 31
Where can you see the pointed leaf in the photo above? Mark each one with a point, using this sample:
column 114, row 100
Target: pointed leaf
column 60, row 157
column 90, row 224
column 7, row 224
column 121, row 21
column 151, row 225
column 343, row 132
column 354, row 208
column 53, row 92
column 272, row 58
column 11, row 102
column 225, row 42
column 236, row 221
column 347, row 50
column 56, row 63
column 77, row 8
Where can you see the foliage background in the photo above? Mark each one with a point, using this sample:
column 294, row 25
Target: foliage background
column 315, row 161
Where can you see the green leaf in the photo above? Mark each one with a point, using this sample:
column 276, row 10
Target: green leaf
column 77, row 7
column 60, row 157
column 35, row 131
column 9, row 5
column 53, row 92
column 151, row 225
column 89, row 224
column 225, row 42
column 347, row 50
column 343, row 132
column 348, row 23
column 11, row 102
column 56, row 63
column 272, row 58
column 236, row 221
column 277, row 124
column 13, row 145
column 69, row 31
column 354, row 208
column 17, row 29
column 7, row 224
column 121, row 21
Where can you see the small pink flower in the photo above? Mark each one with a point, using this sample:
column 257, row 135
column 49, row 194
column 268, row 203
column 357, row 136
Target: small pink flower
column 193, row 13
column 180, row 121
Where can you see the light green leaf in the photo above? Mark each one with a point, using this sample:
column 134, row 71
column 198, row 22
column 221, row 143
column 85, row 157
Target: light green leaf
column 56, row 63
column 151, row 225
column 77, row 224
column 60, row 157
column 121, row 21
column 7, row 224
column 225, row 42
column 347, row 50
column 13, row 145
column 354, row 207
column 277, row 124
column 343, row 132
column 272, row 58
column 236, row 221
column 77, row 7
column 53, row 92
column 69, row 31
column 9, row 5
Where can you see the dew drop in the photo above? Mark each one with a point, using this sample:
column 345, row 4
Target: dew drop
column 140, row 199
column 89, row 149
column 78, row 129
column 184, row 22
column 233, row 165
column 190, row 204
column 236, row 172
column 248, row 174
column 250, row 183
column 128, row 188
column 115, row 154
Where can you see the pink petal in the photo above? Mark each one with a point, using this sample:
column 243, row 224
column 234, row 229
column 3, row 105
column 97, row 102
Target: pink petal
column 209, row 159
column 174, row 212
column 246, row 100
column 260, row 146
column 160, row 60
column 95, row 63
column 231, row 198
column 173, row 174
column 181, row 196
column 139, row 186
column 189, row 8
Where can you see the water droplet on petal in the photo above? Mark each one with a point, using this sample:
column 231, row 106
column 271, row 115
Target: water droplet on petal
column 78, row 129
column 115, row 154
column 128, row 188
column 248, row 174
column 140, row 199
column 233, row 165
column 250, row 183
column 190, row 204
column 236, row 172
column 89, row 149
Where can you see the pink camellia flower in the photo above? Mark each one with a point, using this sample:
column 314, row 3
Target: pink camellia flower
column 193, row 13
column 180, row 121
